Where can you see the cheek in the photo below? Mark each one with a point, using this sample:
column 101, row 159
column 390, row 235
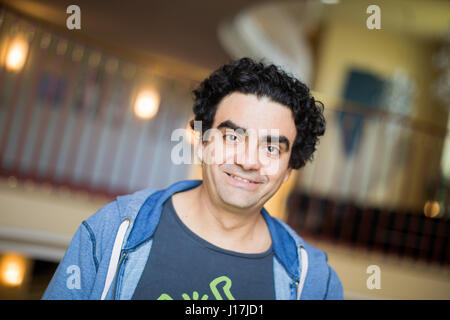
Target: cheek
column 225, row 153
column 213, row 153
column 230, row 153
column 275, row 168
column 271, row 171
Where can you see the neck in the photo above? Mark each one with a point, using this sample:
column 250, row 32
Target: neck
column 226, row 218
column 228, row 228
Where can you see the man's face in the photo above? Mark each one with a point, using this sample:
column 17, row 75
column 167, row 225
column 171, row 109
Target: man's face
column 252, row 139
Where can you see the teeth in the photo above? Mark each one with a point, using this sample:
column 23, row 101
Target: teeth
column 238, row 178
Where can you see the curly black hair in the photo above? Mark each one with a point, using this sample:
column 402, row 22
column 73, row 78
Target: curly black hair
column 249, row 77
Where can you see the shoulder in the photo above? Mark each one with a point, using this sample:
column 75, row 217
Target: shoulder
column 123, row 206
column 322, row 281
column 103, row 224
column 312, row 251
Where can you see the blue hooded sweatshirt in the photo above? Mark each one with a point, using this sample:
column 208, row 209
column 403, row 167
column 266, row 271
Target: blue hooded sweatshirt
column 109, row 251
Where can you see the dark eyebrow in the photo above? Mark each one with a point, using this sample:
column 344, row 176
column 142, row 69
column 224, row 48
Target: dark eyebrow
column 231, row 125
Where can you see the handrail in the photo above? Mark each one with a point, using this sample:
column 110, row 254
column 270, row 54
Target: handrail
column 339, row 104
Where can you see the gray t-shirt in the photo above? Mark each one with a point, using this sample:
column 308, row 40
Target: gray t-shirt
column 181, row 265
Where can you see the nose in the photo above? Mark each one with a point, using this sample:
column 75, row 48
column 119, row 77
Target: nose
column 248, row 159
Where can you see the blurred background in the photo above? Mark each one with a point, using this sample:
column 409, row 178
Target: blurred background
column 87, row 114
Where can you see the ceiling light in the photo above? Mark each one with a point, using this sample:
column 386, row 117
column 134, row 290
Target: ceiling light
column 16, row 54
column 147, row 104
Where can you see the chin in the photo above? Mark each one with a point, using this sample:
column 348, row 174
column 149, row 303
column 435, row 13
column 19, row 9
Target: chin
column 235, row 201
column 240, row 205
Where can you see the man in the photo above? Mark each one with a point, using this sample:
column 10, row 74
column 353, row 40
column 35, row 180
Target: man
column 212, row 238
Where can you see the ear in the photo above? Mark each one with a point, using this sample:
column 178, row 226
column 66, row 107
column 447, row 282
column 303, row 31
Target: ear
column 287, row 175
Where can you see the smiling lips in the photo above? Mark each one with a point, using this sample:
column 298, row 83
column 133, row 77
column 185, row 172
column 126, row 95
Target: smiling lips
column 240, row 181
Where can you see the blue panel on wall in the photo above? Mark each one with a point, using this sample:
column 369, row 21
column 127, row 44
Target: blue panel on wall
column 364, row 90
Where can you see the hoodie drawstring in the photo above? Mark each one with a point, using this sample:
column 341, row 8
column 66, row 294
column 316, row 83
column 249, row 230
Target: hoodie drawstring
column 114, row 260
column 303, row 256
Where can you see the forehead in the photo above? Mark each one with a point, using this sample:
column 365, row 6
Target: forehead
column 249, row 112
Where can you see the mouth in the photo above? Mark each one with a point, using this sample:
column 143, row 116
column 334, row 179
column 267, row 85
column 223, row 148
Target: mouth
column 242, row 182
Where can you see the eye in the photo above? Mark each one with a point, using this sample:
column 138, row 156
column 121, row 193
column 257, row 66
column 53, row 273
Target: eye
column 231, row 137
column 273, row 150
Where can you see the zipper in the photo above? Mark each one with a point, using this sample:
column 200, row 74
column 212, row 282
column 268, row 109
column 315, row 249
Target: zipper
column 124, row 254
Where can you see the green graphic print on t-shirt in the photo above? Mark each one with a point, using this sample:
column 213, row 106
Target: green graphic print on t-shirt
column 213, row 286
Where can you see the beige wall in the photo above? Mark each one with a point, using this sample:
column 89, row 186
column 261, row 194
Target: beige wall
column 345, row 45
